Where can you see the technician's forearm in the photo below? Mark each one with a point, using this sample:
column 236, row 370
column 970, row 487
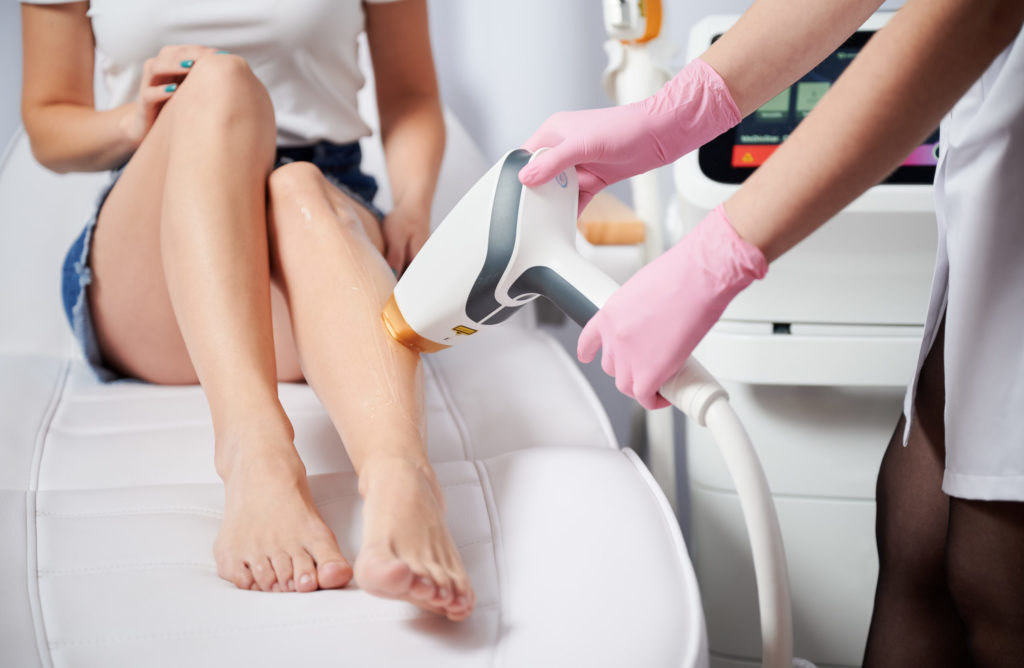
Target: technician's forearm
column 74, row 138
column 776, row 42
column 889, row 99
column 413, row 135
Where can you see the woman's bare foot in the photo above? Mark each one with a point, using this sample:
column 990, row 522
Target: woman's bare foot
column 272, row 537
column 408, row 552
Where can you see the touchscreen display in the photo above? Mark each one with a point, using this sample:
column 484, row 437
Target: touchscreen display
column 735, row 154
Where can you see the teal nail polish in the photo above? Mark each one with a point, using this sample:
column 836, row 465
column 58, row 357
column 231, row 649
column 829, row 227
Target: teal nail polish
column 170, row 88
column 187, row 63
column 223, row 51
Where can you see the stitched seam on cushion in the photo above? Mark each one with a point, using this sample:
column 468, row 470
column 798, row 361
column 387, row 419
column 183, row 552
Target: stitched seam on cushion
column 669, row 522
column 586, row 390
column 210, row 633
column 449, row 402
column 499, row 557
column 182, row 565
column 196, row 510
column 175, row 565
column 31, row 544
column 5, row 155
column 155, row 510
column 153, row 426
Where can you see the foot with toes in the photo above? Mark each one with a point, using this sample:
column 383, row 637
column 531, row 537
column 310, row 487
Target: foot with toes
column 408, row 552
column 272, row 537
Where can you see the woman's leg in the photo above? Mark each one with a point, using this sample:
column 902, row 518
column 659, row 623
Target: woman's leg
column 325, row 256
column 986, row 576
column 182, row 293
column 915, row 622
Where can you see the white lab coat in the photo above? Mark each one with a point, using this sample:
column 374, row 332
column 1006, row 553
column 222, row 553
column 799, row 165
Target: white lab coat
column 979, row 284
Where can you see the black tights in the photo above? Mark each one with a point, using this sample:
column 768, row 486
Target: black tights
column 951, row 571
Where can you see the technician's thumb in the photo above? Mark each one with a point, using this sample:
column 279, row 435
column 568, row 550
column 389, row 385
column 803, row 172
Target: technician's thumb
column 589, row 342
column 546, row 166
column 584, row 200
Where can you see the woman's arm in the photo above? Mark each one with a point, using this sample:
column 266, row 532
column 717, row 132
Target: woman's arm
column 411, row 122
column 887, row 101
column 776, row 42
column 57, row 106
column 66, row 131
column 769, row 48
column 890, row 98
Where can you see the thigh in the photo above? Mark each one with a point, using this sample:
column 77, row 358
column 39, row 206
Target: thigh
column 131, row 307
column 914, row 621
column 912, row 509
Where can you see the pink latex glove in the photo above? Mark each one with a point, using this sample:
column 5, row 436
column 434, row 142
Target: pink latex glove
column 652, row 323
column 611, row 144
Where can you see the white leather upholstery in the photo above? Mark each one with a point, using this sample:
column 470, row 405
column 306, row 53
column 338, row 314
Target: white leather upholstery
column 109, row 503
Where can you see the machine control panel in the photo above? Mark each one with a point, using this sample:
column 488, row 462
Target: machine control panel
column 735, row 154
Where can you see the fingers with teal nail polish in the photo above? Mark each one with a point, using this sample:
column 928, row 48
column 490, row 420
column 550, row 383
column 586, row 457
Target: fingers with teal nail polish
column 187, row 63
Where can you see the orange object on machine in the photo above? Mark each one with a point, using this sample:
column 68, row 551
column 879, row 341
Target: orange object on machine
column 651, row 11
column 632, row 21
column 608, row 221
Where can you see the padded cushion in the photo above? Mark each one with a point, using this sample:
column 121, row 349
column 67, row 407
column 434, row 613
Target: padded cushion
column 111, row 505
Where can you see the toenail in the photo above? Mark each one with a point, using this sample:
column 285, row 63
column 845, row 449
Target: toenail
column 426, row 581
column 306, row 579
column 291, row 585
column 443, row 592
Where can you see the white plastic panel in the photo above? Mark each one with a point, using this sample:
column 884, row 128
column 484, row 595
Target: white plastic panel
column 862, row 356
column 813, row 441
column 832, row 564
column 618, row 261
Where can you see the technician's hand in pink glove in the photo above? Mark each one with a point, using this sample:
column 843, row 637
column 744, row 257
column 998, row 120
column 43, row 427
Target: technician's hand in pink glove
column 608, row 145
column 652, row 323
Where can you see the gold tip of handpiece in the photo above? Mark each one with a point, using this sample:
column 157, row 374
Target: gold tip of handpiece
column 400, row 330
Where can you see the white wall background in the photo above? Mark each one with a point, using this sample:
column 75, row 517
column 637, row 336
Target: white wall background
column 506, row 66
column 10, row 71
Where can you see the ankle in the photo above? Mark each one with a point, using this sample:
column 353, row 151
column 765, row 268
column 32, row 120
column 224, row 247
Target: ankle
column 387, row 467
column 244, row 445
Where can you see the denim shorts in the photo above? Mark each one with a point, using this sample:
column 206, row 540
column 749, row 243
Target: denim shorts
column 340, row 164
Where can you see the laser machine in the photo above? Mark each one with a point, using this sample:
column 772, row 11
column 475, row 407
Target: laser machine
column 815, row 358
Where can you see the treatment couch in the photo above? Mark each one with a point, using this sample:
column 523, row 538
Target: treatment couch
column 109, row 502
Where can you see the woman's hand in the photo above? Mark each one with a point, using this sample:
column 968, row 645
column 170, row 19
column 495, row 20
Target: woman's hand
column 405, row 231
column 612, row 144
column 650, row 325
column 411, row 123
column 161, row 76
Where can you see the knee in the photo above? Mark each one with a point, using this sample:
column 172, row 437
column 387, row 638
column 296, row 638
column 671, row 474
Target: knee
column 296, row 185
column 221, row 88
column 299, row 192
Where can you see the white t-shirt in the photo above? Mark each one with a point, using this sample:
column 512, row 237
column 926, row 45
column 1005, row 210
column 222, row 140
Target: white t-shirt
column 304, row 52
